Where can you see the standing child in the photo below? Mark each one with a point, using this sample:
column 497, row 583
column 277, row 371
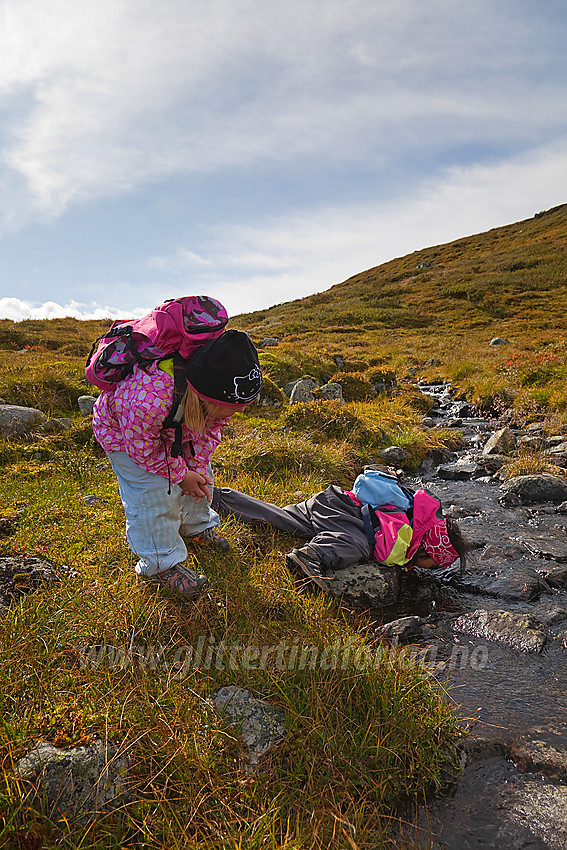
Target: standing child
column 401, row 528
column 167, row 498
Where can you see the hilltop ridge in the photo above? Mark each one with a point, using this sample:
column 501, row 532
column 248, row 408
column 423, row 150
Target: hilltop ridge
column 514, row 276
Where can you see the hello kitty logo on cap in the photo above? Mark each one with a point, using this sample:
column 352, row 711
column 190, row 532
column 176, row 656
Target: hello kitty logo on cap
column 246, row 386
column 438, row 546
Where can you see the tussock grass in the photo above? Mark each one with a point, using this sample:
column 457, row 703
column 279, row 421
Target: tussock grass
column 100, row 656
column 357, row 736
column 105, row 655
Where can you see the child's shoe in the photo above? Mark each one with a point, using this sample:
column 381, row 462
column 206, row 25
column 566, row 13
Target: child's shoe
column 307, row 565
column 180, row 579
column 212, row 538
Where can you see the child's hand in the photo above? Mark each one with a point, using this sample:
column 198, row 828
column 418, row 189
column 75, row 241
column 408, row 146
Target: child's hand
column 196, row 485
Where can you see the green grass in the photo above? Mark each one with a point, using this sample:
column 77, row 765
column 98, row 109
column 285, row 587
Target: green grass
column 356, row 740
column 360, row 738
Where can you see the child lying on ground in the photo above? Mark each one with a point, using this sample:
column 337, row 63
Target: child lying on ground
column 404, row 527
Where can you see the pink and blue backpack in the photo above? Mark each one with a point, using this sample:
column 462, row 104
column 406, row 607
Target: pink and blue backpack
column 178, row 326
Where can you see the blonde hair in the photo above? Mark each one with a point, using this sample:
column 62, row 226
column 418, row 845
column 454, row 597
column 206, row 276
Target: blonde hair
column 197, row 414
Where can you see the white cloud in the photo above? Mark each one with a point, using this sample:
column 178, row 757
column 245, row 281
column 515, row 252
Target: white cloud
column 312, row 251
column 117, row 93
column 178, row 262
column 17, row 311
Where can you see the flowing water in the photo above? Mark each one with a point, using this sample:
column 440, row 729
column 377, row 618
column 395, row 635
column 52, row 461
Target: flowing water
column 514, row 702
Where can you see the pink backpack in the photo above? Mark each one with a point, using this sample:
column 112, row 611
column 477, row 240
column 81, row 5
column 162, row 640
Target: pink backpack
column 180, row 326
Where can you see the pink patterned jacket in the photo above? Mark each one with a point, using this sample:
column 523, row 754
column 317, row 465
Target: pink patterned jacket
column 130, row 418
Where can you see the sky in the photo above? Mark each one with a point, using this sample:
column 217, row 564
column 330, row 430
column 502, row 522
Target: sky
column 259, row 151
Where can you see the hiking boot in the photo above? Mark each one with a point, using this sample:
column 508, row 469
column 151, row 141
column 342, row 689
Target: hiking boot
column 180, row 579
column 307, row 565
column 212, row 538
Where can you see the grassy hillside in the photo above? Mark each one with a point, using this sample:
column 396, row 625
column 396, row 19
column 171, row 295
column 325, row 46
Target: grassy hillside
column 360, row 738
column 444, row 304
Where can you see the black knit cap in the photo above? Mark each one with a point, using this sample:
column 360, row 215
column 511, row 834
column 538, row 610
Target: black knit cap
column 226, row 370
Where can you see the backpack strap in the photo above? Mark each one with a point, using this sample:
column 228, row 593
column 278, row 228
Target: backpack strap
column 369, row 517
column 174, row 418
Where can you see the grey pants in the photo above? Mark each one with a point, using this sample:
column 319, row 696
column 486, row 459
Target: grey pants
column 330, row 521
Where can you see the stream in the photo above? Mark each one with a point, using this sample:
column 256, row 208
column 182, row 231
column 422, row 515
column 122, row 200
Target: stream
column 496, row 637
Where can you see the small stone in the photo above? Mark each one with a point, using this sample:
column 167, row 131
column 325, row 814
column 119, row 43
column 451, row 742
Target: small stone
column 93, row 500
column 303, row 391
column 260, row 726
column 76, row 782
column 531, row 489
column 332, row 392
column 269, row 342
column 456, row 471
column 56, row 426
column 16, row 421
column 86, row 404
column 403, row 630
column 498, row 340
column 394, row 455
column 520, row 631
column 501, row 442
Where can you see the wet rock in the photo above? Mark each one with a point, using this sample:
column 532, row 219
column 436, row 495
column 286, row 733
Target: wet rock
column 456, row 471
column 16, row 421
column 551, row 616
column 502, row 442
column 369, row 585
column 531, row 489
column 462, row 409
column 404, row 630
column 394, row 455
column 76, row 782
column 520, row 631
column 495, row 806
column 332, row 391
column 453, row 422
column 521, row 585
column 498, row 340
column 21, row 575
column 427, row 422
column 557, row 577
column 260, row 726
column 86, row 404
column 492, row 463
column 561, row 448
column 495, row 553
column 562, row 508
column 303, row 391
column 552, row 549
column 540, row 757
column 458, row 511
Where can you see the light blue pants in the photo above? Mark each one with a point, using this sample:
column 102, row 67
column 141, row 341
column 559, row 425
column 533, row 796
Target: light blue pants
column 155, row 519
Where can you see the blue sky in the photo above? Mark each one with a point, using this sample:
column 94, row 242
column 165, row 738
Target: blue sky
column 259, row 151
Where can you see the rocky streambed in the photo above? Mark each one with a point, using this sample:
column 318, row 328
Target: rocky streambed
column 496, row 636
